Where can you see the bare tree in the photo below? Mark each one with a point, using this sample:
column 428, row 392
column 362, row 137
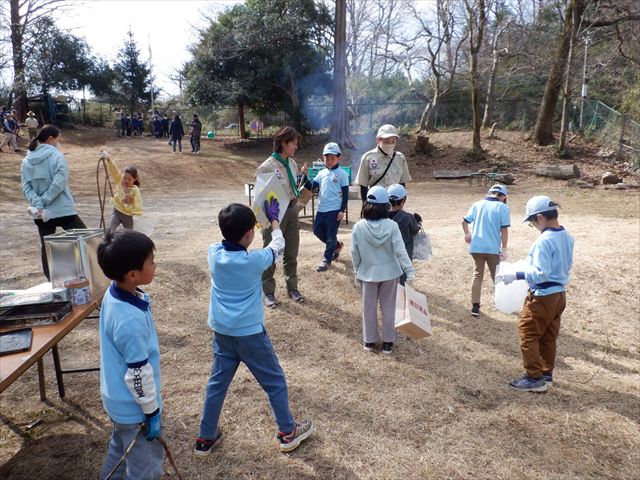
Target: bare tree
column 476, row 23
column 340, row 125
column 23, row 14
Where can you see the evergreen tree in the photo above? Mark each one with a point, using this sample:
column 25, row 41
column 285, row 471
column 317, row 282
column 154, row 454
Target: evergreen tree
column 132, row 75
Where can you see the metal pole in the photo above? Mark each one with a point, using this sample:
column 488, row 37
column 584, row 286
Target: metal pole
column 585, row 80
column 621, row 141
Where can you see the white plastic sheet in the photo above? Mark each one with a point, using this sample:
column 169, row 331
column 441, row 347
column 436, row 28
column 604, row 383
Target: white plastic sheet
column 510, row 298
column 422, row 246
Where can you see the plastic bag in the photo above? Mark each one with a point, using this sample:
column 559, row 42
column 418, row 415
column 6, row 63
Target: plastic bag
column 144, row 225
column 422, row 246
column 268, row 186
column 510, row 298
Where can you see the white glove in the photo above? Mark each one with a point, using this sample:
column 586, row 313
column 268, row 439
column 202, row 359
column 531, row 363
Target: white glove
column 507, row 278
column 104, row 155
column 504, row 255
column 409, row 281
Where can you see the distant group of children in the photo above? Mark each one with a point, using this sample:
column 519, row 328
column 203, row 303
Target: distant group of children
column 381, row 253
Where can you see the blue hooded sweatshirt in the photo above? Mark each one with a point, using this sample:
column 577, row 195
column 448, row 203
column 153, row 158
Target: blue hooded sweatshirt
column 45, row 181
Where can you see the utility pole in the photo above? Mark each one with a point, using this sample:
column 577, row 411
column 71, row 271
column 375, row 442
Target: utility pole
column 585, row 80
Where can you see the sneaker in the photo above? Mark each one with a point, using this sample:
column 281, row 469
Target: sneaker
column 368, row 347
column 336, row 252
column 387, row 348
column 290, row 441
column 296, row 296
column 528, row 384
column 270, row 300
column 547, row 377
column 204, row 446
column 324, row 266
column 475, row 309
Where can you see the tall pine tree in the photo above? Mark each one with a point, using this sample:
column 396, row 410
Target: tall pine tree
column 132, row 75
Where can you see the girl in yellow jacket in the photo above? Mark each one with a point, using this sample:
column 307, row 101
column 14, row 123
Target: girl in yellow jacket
column 126, row 200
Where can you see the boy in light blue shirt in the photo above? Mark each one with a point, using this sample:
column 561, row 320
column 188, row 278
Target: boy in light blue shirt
column 333, row 196
column 491, row 219
column 547, row 273
column 130, row 357
column 237, row 318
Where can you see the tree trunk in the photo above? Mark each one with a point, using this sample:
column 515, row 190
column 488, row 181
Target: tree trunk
column 488, row 104
column 340, row 132
column 243, row 131
column 566, row 95
column 474, row 48
column 543, row 130
column 427, row 120
column 19, row 79
column 559, row 172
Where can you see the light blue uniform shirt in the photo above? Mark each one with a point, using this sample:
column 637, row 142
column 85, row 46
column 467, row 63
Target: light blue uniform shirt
column 488, row 216
column 236, row 288
column 127, row 336
column 550, row 260
column 331, row 183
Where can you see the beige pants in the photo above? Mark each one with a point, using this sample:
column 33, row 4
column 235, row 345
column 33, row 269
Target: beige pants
column 479, row 259
column 9, row 139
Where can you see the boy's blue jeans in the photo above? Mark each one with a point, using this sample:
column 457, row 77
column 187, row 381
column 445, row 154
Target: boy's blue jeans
column 256, row 352
column 144, row 462
column 325, row 228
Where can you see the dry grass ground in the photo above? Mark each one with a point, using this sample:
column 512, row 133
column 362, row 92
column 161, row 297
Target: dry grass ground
column 436, row 408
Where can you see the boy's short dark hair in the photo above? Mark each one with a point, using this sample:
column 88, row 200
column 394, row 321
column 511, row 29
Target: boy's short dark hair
column 394, row 202
column 375, row 211
column 235, row 220
column 550, row 215
column 123, row 251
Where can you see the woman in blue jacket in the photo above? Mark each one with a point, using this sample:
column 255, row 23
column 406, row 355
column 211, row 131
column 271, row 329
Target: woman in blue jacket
column 45, row 184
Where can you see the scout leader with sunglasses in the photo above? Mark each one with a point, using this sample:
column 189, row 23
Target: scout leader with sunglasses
column 547, row 273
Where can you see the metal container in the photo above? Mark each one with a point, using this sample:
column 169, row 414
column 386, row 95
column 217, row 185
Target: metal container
column 73, row 254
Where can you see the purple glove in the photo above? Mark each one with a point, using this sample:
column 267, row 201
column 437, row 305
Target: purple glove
column 272, row 209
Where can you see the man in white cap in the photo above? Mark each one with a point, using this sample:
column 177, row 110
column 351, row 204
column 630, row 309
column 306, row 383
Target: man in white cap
column 491, row 219
column 547, row 273
column 32, row 125
column 383, row 165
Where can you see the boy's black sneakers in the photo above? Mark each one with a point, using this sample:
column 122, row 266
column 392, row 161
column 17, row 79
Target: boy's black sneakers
column 475, row 309
column 336, row 252
column 204, row 446
column 368, row 347
column 387, row 348
column 324, row 266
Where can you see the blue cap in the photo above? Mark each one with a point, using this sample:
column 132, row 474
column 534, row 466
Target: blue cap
column 538, row 204
column 332, row 149
column 397, row 192
column 497, row 188
column 377, row 194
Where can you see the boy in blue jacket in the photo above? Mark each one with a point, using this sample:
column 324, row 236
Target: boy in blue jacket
column 547, row 274
column 130, row 357
column 237, row 318
column 488, row 240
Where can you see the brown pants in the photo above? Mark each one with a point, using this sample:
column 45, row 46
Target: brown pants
column 539, row 327
column 479, row 259
column 290, row 227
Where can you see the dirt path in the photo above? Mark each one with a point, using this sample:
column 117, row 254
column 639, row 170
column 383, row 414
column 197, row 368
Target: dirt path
column 437, row 408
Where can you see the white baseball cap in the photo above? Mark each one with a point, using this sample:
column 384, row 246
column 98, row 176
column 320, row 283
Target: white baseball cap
column 538, row 204
column 396, row 192
column 332, row 149
column 497, row 188
column 386, row 131
column 377, row 194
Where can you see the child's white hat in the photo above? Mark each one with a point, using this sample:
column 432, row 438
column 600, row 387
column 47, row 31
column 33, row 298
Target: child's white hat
column 386, row 131
column 497, row 188
column 538, row 204
column 332, row 149
column 396, row 192
column 377, row 194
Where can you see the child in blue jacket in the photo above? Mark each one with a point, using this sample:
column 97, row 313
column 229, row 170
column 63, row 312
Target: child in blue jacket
column 237, row 318
column 549, row 264
column 130, row 357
